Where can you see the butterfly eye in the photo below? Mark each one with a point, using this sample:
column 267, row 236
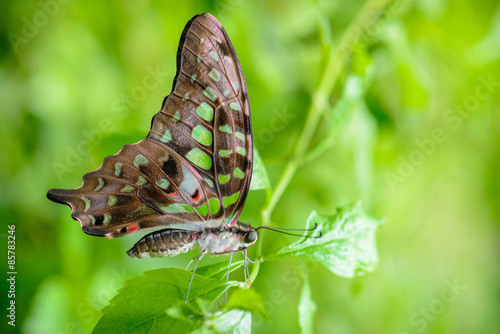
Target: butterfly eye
column 250, row 237
column 234, row 230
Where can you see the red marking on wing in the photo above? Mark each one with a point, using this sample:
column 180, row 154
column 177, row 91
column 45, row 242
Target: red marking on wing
column 132, row 228
column 173, row 194
column 196, row 196
column 235, row 219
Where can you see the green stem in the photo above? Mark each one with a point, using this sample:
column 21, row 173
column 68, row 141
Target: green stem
column 329, row 74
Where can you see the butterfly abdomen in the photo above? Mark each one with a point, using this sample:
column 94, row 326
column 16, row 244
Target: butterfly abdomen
column 164, row 243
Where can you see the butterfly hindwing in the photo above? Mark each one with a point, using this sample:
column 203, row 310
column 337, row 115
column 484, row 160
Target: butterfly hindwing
column 142, row 186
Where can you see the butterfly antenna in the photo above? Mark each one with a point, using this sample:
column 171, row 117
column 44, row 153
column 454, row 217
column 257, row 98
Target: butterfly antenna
column 192, row 275
column 282, row 230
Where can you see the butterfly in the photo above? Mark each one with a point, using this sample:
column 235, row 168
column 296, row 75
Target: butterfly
column 190, row 176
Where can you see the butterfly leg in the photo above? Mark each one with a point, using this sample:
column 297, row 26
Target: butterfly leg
column 227, row 276
column 245, row 266
column 245, row 269
column 198, row 258
column 189, row 263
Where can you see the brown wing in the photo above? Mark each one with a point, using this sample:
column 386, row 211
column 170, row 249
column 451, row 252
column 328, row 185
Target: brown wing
column 206, row 118
column 194, row 168
column 145, row 185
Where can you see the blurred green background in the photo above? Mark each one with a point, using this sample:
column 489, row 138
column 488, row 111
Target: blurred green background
column 421, row 149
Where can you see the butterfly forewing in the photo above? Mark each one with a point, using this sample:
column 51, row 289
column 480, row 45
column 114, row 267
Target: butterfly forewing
column 194, row 168
column 206, row 119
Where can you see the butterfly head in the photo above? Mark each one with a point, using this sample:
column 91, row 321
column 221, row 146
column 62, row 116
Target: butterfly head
column 246, row 234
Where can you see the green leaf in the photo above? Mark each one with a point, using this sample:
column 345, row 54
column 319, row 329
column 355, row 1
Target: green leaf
column 260, row 180
column 218, row 270
column 307, row 308
column 234, row 322
column 362, row 64
column 211, row 322
column 347, row 247
column 352, row 95
column 188, row 312
column 140, row 306
column 249, row 300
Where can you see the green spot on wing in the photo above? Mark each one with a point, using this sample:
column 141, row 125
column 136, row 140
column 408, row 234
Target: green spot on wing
column 214, row 55
column 242, row 151
column 142, row 211
column 141, row 181
column 226, row 93
column 205, row 111
column 209, row 92
column 163, row 183
column 87, row 203
column 224, row 178
column 193, row 77
column 240, row 135
column 100, row 185
column 216, row 38
column 167, row 137
column 127, row 189
column 140, row 160
column 202, row 135
column 225, row 128
column 112, row 200
column 225, row 153
column 214, row 205
column 199, row 158
column 107, row 219
column 176, row 117
column 118, row 168
column 186, row 97
column 228, row 200
column 234, row 106
column 209, row 182
column 238, row 173
column 175, row 208
column 214, row 74
column 188, row 208
column 202, row 209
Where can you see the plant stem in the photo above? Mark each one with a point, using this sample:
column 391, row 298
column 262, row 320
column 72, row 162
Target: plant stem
column 329, row 73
